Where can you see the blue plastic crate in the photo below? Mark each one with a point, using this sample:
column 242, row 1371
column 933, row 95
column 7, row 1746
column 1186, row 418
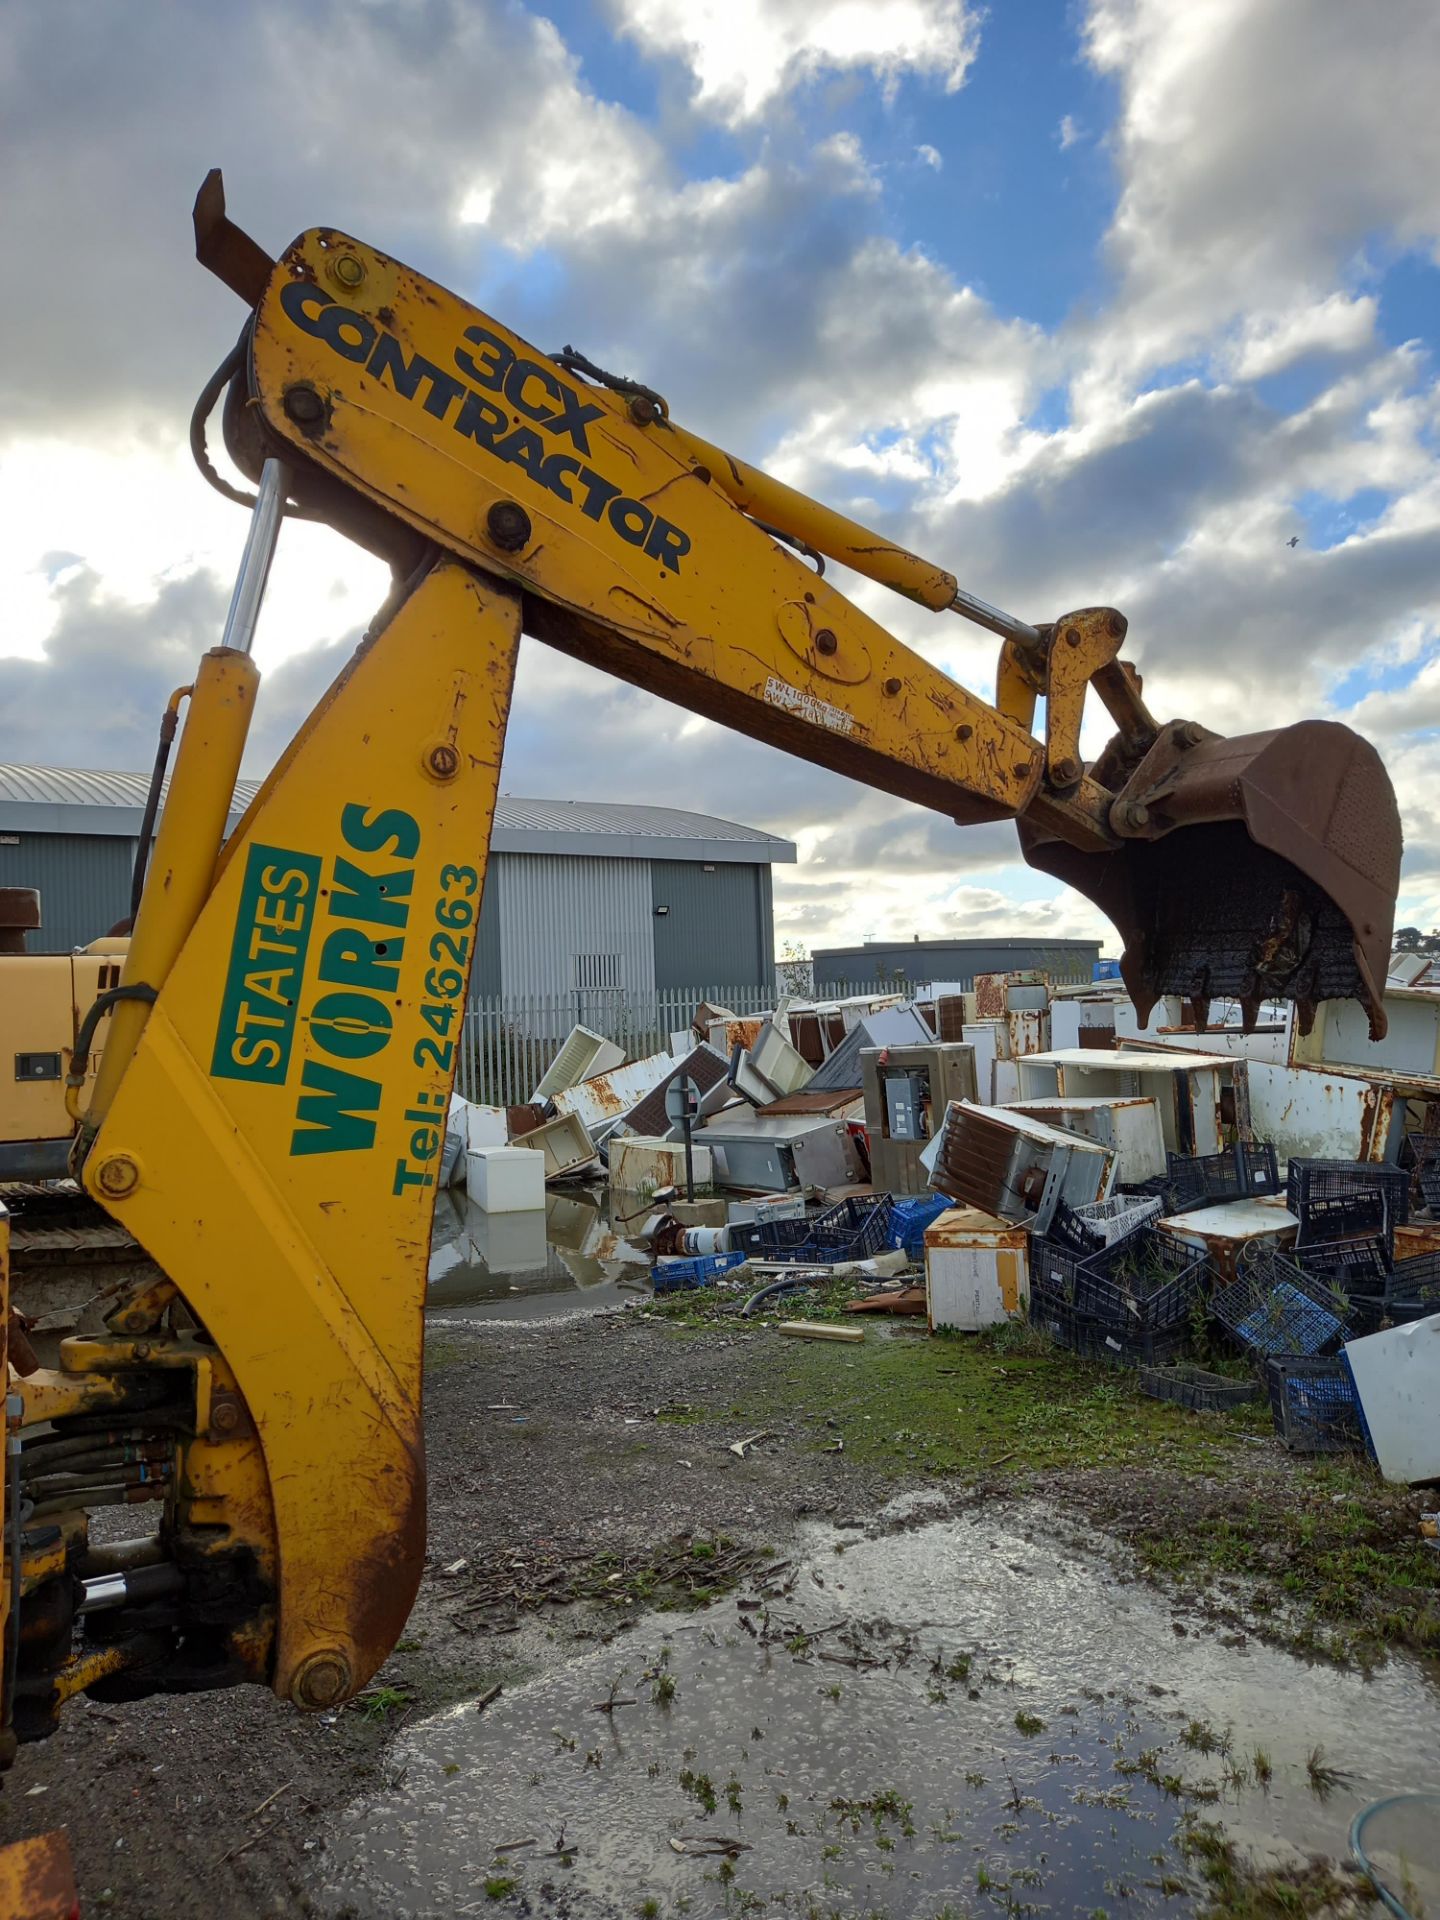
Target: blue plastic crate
column 910, row 1217
column 672, row 1276
column 1314, row 1404
column 1272, row 1307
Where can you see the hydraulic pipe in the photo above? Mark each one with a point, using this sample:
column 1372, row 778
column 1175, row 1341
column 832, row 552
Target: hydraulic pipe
column 198, row 804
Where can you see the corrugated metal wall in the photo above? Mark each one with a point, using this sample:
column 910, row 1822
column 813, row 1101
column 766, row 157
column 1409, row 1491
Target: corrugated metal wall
column 573, row 924
column 718, row 927
column 924, row 963
column 84, row 882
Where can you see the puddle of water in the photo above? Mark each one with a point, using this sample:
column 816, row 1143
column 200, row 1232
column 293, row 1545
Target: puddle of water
column 570, row 1258
column 905, row 1787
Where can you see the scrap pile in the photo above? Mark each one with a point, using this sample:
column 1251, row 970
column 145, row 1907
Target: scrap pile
column 1151, row 1196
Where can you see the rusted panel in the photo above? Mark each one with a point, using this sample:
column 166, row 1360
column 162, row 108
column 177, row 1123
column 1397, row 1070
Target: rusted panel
column 37, row 1879
column 990, row 996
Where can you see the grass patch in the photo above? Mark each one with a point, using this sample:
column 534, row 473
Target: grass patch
column 380, row 1702
column 1234, row 1889
column 1008, row 1400
column 1334, row 1554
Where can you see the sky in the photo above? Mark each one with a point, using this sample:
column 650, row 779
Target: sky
column 1120, row 302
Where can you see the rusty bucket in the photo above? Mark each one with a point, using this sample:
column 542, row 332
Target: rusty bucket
column 1259, row 868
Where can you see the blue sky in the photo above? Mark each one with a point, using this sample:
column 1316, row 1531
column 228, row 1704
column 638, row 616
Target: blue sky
column 1105, row 301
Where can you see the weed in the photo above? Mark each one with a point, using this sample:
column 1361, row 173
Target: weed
column 1260, row 1766
column 732, row 1794
column 663, row 1692
column 451, row 1767
column 1324, row 1778
column 380, row 1702
column 701, row 1787
column 1028, row 1723
column 649, row 1908
column 500, row 1886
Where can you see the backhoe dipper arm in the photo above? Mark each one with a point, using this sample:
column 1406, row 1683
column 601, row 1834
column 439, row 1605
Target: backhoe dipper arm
column 269, row 1114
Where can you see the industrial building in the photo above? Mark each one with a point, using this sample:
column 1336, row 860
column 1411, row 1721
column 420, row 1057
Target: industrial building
column 582, row 897
column 922, row 961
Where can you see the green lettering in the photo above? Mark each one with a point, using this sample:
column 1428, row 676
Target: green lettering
column 350, row 958
column 328, row 1115
column 378, row 899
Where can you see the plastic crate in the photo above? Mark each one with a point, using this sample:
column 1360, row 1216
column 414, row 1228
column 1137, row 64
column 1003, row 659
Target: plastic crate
column 855, row 1229
column 1413, row 1288
column 910, row 1217
column 1079, row 1334
column 1346, row 1216
column 1107, row 1290
column 1110, row 1220
column 698, row 1270
column 773, row 1239
column 1191, row 1386
column 1314, row 1404
column 1272, row 1307
column 1238, row 1173
column 1427, row 1178
column 1357, row 1269
column 1177, row 1193
column 1067, row 1229
column 1053, row 1271
column 1311, row 1180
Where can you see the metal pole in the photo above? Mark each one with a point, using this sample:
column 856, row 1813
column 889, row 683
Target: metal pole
column 259, row 551
column 689, row 1161
column 1026, row 637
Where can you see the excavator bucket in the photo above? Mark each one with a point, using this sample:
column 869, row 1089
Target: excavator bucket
column 1259, row 868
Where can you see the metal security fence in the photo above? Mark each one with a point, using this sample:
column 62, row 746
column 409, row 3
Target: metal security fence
column 507, row 1042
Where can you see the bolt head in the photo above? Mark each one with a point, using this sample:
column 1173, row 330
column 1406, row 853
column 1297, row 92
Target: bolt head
column 1118, row 625
column 322, row 1680
column 508, row 525
column 1066, row 772
column 965, row 732
column 348, row 270
column 443, row 761
column 1072, row 636
column 892, row 687
column 224, row 1416
column 642, row 411
column 117, row 1175
column 825, row 641
column 304, row 405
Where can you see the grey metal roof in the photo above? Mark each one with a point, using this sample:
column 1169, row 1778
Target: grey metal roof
column 77, row 800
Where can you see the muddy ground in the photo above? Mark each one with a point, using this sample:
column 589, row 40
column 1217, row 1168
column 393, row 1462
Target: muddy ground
column 569, row 1458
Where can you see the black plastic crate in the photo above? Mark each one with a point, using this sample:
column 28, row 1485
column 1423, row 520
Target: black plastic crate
column 1427, row 1178
column 1311, row 1180
column 1272, row 1307
column 1142, row 1283
column 772, row 1239
column 854, row 1229
column 1413, row 1290
column 1068, row 1230
column 1237, row 1173
column 1191, row 1386
column 1081, row 1335
column 1314, row 1404
column 1346, row 1216
column 1357, row 1269
column 1053, row 1270
column 1420, row 1149
column 1177, row 1193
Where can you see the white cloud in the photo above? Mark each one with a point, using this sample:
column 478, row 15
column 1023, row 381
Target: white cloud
column 1260, row 147
column 1068, row 132
column 929, row 156
column 743, row 53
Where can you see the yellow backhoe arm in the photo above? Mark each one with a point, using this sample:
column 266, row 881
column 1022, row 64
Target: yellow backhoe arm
column 269, row 1113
